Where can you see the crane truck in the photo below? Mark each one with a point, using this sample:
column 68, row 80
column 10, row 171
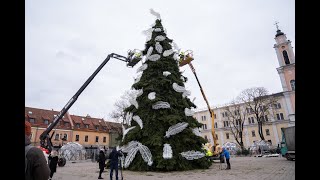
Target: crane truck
column 132, row 59
column 215, row 149
column 288, row 148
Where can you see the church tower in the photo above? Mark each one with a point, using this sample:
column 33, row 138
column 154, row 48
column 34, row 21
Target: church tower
column 286, row 71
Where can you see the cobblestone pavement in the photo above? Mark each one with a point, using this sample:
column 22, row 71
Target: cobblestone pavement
column 261, row 168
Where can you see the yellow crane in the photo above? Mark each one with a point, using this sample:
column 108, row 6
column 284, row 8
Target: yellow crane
column 186, row 58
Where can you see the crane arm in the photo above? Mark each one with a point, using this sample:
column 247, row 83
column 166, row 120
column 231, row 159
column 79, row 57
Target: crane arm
column 45, row 139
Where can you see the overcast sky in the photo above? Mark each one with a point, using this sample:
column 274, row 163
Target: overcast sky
column 232, row 43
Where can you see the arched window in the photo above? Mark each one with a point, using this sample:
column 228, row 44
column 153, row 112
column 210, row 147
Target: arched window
column 293, row 85
column 286, row 57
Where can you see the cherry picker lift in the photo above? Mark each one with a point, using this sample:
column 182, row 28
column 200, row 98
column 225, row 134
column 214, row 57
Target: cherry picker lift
column 132, row 59
column 186, row 58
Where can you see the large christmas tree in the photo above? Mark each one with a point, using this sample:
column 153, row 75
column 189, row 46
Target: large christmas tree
column 161, row 134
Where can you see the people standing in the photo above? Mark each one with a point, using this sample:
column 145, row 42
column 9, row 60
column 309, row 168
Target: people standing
column 53, row 161
column 36, row 167
column 226, row 153
column 102, row 163
column 114, row 158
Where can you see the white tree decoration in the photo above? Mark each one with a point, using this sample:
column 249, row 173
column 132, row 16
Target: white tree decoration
column 175, row 129
column 148, row 33
column 138, row 120
column 167, row 151
column 131, row 154
column 128, row 118
column 186, row 93
column 129, row 146
column 188, row 112
column 196, row 132
column 166, row 73
column 183, row 79
column 134, row 102
column 137, row 79
column 122, row 161
column 142, row 68
column 160, row 38
column 176, row 57
column 160, row 105
column 178, row 88
column 155, row 13
column 167, row 52
column 154, row 57
column 157, row 30
column 191, row 155
column 125, row 131
column 149, row 52
column 152, row 95
column 145, row 153
column 175, row 47
column 159, row 47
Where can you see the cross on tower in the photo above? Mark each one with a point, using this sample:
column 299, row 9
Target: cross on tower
column 276, row 23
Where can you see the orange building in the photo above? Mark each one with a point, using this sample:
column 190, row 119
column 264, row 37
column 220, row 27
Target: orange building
column 87, row 131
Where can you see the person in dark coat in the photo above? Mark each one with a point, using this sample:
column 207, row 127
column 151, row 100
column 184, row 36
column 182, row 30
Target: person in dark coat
column 36, row 167
column 53, row 161
column 102, row 163
column 226, row 153
column 114, row 158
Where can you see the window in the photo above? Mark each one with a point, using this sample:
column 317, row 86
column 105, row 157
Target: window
column 104, row 139
column 238, row 122
column 266, row 117
column 215, row 125
column 56, row 137
column 206, row 138
column 226, row 114
column 65, row 137
column 252, row 120
column 97, row 138
column 277, row 106
column 77, row 137
column 87, row 126
column 267, row 132
column 78, row 125
column 203, row 118
column 31, row 120
column 97, row 127
column 293, row 85
column 280, row 116
column 222, row 114
column 204, row 126
column 46, row 121
column 253, row 133
column 227, row 135
column 104, row 128
column 215, row 116
column 285, row 57
column 225, row 123
column 217, row 136
column 86, row 138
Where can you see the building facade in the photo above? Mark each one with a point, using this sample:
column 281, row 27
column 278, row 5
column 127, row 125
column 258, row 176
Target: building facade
column 87, row 131
column 282, row 113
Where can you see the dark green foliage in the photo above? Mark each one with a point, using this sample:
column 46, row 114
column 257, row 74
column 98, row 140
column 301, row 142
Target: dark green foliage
column 157, row 122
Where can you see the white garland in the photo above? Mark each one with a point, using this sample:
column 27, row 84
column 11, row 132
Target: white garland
column 125, row 131
column 138, row 120
column 188, row 112
column 167, row 151
column 178, row 88
column 137, row 79
column 142, row 68
column 160, row 38
column 191, row 155
column 196, row 131
column 148, row 33
column 176, row 57
column 166, row 73
column 129, row 118
column 134, row 102
column 145, row 153
column 186, row 93
column 154, row 57
column 161, row 105
column 132, row 153
column 167, row 52
column 175, row 129
column 159, row 47
column 152, row 95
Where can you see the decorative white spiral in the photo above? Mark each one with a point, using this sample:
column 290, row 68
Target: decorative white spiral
column 191, row 155
column 154, row 57
column 196, row 132
column 166, row 73
column 152, row 95
column 131, row 145
column 167, row 52
column 131, row 155
column 178, row 88
column 175, row 129
column 159, row 47
column 138, row 120
column 142, row 68
column 125, row 131
column 167, row 151
column 145, row 153
column 161, row 105
column 186, row 93
column 176, row 57
column 129, row 118
column 188, row 112
column 160, row 38
column 157, row 30
column 149, row 51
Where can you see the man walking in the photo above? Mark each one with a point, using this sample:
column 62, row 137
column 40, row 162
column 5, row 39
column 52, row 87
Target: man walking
column 226, row 153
